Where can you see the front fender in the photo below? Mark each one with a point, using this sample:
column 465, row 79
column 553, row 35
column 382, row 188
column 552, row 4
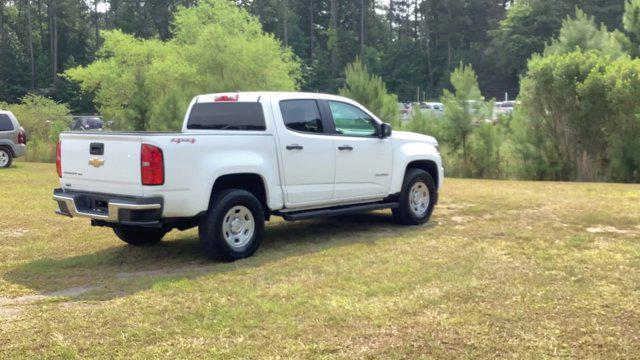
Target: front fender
column 408, row 153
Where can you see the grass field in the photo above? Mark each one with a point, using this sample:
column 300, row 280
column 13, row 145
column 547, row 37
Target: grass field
column 504, row 269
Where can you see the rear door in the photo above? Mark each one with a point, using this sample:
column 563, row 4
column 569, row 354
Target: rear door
column 100, row 163
column 306, row 151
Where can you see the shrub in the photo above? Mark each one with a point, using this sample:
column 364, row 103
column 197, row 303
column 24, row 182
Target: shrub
column 425, row 122
column 43, row 119
column 465, row 108
column 580, row 117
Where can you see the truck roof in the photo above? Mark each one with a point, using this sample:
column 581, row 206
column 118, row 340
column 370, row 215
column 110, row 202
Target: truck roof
column 273, row 95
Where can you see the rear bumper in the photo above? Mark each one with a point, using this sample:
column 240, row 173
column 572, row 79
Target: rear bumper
column 124, row 210
column 19, row 150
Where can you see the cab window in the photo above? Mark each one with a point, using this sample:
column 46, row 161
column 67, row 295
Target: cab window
column 302, row 115
column 5, row 123
column 351, row 121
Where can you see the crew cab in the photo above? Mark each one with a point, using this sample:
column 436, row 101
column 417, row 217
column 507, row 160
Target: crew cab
column 241, row 158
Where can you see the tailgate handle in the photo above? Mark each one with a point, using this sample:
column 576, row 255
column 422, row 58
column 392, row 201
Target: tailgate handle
column 96, row 149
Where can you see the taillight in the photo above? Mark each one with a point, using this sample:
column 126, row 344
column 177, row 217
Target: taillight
column 22, row 138
column 227, row 97
column 59, row 158
column 151, row 165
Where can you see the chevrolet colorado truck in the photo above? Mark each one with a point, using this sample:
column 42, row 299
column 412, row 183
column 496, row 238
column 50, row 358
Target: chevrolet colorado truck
column 241, row 158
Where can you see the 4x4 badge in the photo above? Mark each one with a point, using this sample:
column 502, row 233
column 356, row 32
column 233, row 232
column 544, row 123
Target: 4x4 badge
column 96, row 161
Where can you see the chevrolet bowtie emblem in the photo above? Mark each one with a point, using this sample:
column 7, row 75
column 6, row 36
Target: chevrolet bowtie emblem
column 96, row 162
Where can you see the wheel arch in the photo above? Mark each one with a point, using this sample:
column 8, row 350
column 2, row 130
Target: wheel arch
column 8, row 147
column 251, row 182
column 429, row 166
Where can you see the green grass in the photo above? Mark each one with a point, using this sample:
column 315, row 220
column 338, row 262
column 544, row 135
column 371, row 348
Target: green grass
column 504, row 269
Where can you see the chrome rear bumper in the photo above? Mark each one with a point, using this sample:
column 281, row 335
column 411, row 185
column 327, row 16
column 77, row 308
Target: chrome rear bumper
column 109, row 208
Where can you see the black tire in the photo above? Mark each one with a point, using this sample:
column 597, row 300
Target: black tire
column 138, row 235
column 405, row 214
column 220, row 244
column 9, row 156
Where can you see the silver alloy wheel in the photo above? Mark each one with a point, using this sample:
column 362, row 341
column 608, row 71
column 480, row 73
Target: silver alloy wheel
column 238, row 226
column 4, row 158
column 419, row 199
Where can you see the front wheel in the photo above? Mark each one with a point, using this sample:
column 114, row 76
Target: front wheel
column 233, row 227
column 417, row 199
column 138, row 235
column 5, row 158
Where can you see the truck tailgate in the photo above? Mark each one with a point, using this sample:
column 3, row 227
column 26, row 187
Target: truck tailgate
column 113, row 168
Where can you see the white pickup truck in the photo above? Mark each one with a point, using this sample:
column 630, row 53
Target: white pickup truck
column 239, row 159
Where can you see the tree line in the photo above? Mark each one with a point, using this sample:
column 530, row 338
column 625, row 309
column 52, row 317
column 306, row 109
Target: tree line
column 574, row 65
column 413, row 45
column 577, row 116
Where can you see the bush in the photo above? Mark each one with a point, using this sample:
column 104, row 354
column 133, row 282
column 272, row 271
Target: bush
column 465, row 109
column 425, row 122
column 486, row 143
column 580, row 118
column 43, row 119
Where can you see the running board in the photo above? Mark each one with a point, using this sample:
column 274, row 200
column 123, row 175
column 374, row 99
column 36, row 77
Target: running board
column 337, row 211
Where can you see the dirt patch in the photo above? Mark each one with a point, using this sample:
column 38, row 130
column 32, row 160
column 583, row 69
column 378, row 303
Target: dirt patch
column 10, row 313
column 13, row 233
column 462, row 219
column 27, row 299
column 446, row 209
column 161, row 272
column 610, row 230
column 72, row 292
column 12, row 308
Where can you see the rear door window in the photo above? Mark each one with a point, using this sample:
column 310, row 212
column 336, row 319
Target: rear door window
column 227, row 116
column 5, row 123
column 302, row 115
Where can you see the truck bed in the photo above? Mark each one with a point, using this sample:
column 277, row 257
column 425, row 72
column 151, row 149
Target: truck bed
column 192, row 161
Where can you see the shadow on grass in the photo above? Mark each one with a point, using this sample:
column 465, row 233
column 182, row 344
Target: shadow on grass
column 123, row 270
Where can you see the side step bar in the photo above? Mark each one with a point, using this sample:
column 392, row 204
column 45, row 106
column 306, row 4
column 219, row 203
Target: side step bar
column 337, row 211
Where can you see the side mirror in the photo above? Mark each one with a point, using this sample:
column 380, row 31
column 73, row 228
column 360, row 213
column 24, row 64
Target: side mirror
column 385, row 131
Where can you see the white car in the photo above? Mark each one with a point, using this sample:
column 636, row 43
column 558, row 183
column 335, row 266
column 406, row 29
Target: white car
column 505, row 107
column 434, row 108
column 406, row 111
column 241, row 158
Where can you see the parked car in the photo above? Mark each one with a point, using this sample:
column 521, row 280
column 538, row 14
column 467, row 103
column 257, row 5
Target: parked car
column 502, row 109
column 505, row 107
column 13, row 139
column 241, row 158
column 434, row 108
column 405, row 111
column 84, row 123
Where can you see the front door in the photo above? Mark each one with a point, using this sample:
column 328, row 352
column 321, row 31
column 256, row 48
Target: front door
column 363, row 160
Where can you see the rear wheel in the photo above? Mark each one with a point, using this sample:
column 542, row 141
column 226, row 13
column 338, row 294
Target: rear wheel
column 417, row 199
column 138, row 235
column 5, row 157
column 233, row 227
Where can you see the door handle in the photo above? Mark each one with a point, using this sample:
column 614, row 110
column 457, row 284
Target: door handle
column 295, row 147
column 345, row 147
